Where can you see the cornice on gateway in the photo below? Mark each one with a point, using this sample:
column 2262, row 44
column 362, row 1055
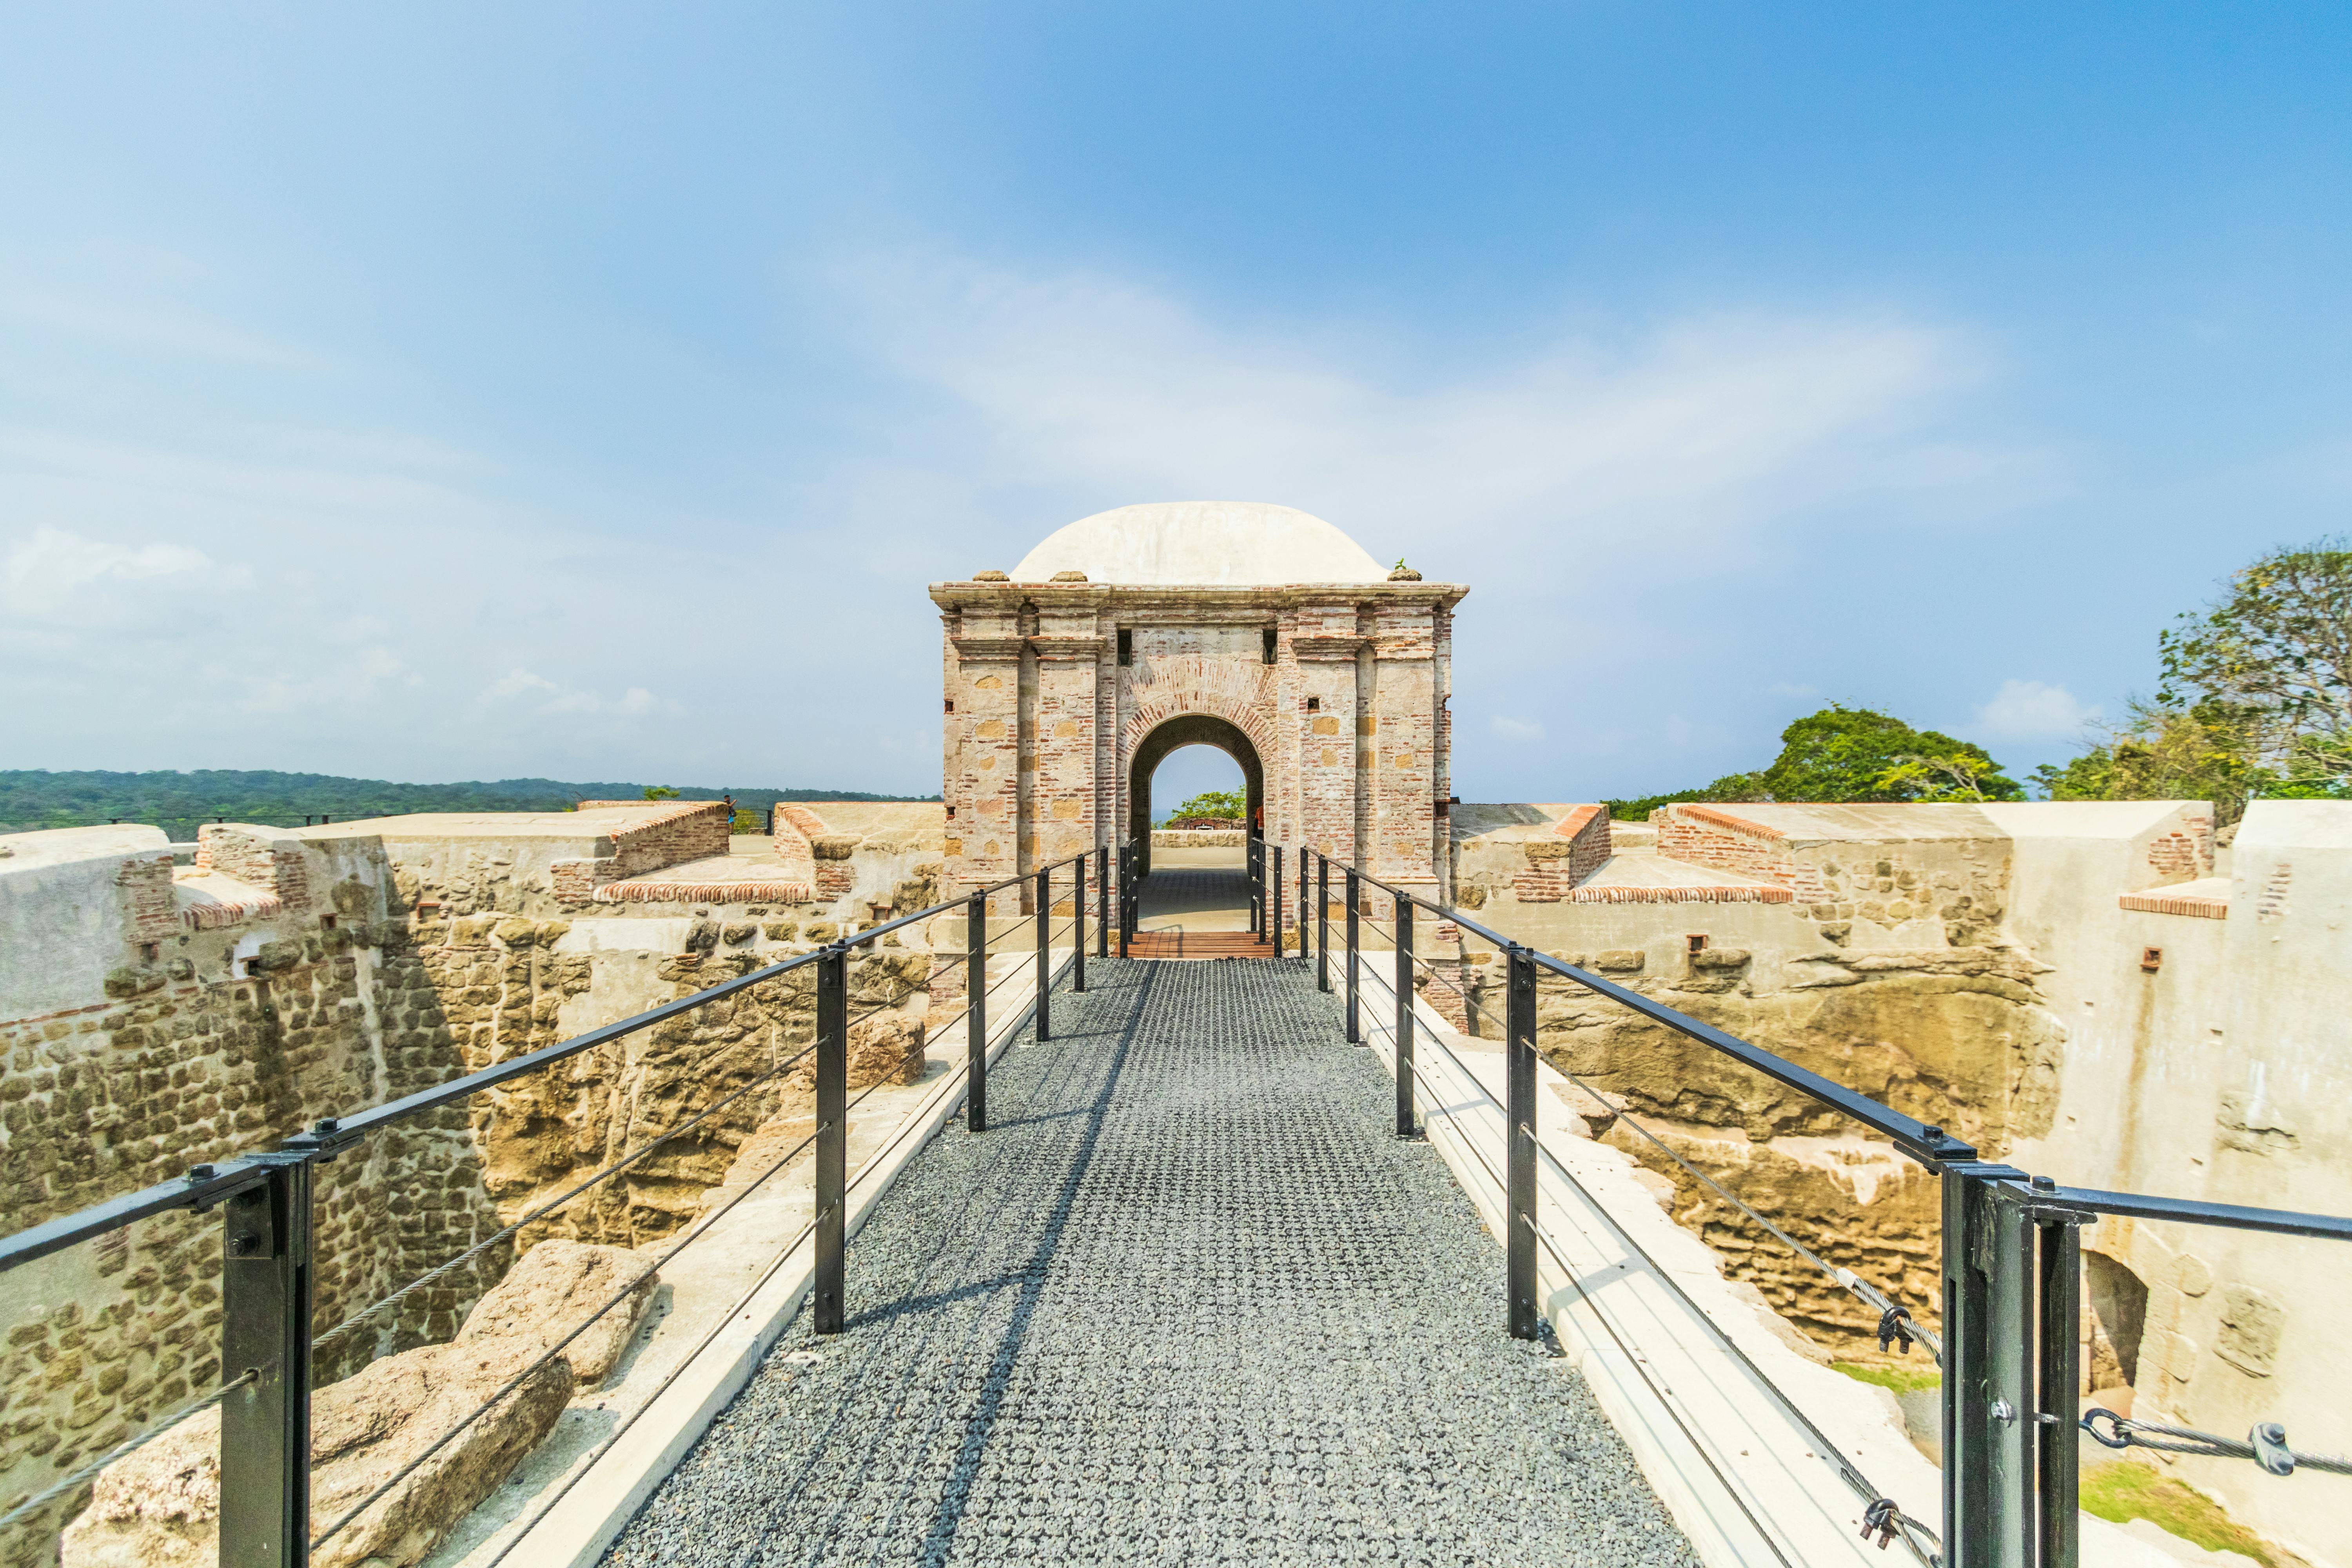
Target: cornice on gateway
column 1121, row 595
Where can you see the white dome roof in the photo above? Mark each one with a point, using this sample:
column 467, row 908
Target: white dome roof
column 1215, row 544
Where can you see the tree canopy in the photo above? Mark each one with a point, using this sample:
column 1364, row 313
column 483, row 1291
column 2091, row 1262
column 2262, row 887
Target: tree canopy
column 2255, row 700
column 1219, row 804
column 1844, row 755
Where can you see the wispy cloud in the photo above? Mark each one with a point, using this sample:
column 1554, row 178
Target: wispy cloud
column 145, row 327
column 1518, row 730
column 1700, row 425
column 2032, row 710
column 636, row 702
column 48, row 566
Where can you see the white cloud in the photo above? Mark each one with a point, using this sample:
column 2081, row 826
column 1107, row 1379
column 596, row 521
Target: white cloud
column 1790, row 688
column 1520, row 730
column 633, row 703
column 51, row 564
column 514, row 683
column 2032, row 710
column 1701, row 426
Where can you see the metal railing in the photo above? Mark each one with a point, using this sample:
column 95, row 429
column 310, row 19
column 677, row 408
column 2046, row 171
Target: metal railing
column 267, row 1330
column 2011, row 1271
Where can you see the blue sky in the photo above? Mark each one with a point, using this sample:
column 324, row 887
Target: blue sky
column 443, row 392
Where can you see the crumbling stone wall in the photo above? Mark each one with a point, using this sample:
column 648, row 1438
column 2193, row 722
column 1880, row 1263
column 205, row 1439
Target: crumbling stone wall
column 227, row 1037
column 1887, row 968
column 1957, row 1036
column 196, row 1057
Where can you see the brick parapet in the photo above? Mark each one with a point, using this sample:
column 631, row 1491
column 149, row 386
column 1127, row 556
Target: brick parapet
column 1556, row 870
column 143, row 884
column 1710, row 836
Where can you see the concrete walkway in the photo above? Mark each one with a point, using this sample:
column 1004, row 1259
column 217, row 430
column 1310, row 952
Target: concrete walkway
column 1194, row 898
column 1188, row 1300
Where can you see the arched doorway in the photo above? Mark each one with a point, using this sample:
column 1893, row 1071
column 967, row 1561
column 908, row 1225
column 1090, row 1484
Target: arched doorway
column 1188, row 730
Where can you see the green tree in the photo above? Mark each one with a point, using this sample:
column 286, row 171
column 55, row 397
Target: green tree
column 1223, row 804
column 1852, row 754
column 660, row 792
column 2256, row 697
column 1861, row 755
column 2275, row 653
column 2205, row 751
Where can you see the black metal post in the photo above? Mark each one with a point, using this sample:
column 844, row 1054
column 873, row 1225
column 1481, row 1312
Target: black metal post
column 1322, row 922
column 1275, row 882
column 1305, row 931
column 1355, row 895
column 1127, row 900
column 1079, row 925
column 1044, row 955
column 1102, row 907
column 1990, row 1273
column 265, row 1461
column 2059, row 1405
column 1519, row 1207
column 1404, row 1018
column 832, row 1135
column 975, row 1017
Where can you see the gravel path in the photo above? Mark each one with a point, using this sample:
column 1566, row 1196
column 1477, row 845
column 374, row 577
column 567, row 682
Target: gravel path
column 1189, row 1301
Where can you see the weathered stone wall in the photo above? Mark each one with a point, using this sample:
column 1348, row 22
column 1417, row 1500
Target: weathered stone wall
column 1877, row 959
column 386, row 961
column 208, row 1043
column 2070, row 987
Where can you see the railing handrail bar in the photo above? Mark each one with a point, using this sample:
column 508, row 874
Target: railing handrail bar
column 2191, row 1211
column 227, row 1181
column 961, row 900
column 1909, row 1133
column 370, row 1121
column 238, row 1172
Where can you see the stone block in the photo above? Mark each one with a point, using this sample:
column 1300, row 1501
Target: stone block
column 552, row 1290
column 159, row 1507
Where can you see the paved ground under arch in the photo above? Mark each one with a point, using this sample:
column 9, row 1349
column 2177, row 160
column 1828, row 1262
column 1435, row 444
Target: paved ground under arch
column 1188, row 1300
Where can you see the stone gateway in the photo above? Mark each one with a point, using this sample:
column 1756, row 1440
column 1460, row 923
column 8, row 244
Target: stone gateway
column 1256, row 629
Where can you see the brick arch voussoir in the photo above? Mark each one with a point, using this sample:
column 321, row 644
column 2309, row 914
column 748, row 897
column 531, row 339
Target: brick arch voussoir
column 1243, row 716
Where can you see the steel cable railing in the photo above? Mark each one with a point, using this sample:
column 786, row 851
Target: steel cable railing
column 827, row 1206
column 1873, row 1497
column 2011, row 1246
column 557, row 1348
column 549, row 1208
column 162, row 1426
column 1895, row 1323
column 582, row 1466
column 266, row 1199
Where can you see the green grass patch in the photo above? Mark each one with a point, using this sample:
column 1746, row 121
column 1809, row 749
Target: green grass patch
column 2126, row 1490
column 1901, row 1379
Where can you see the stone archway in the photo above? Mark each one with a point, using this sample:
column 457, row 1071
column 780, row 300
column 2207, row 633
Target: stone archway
column 1189, row 730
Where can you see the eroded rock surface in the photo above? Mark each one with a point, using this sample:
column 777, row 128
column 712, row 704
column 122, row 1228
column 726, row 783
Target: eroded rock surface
column 159, row 1507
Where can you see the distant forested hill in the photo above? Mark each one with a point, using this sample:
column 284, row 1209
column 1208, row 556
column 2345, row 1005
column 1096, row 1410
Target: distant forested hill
column 34, row 798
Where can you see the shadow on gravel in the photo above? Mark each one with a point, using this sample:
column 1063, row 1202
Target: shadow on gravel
column 940, row 1540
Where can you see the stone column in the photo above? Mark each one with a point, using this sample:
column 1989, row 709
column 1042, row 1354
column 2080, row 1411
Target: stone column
column 984, row 778
column 1063, row 794
column 1400, row 738
column 1327, row 645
